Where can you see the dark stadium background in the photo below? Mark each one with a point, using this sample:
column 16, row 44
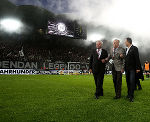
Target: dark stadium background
column 58, row 98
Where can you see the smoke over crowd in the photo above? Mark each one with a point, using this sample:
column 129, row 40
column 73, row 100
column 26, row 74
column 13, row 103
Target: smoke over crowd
column 110, row 18
column 120, row 18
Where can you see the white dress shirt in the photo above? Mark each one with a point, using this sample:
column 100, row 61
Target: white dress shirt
column 128, row 48
column 99, row 51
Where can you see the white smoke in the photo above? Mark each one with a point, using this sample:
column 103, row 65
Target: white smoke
column 122, row 17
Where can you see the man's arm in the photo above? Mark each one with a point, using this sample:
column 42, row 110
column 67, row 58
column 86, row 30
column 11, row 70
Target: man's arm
column 105, row 59
column 137, row 59
column 123, row 54
column 106, row 54
column 109, row 56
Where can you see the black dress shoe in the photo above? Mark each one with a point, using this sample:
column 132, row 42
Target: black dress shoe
column 140, row 88
column 131, row 100
column 96, row 97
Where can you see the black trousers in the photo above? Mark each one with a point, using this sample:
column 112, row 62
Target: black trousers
column 99, row 77
column 130, row 79
column 117, row 79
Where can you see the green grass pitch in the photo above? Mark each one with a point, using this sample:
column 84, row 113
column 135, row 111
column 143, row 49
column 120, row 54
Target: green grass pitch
column 68, row 98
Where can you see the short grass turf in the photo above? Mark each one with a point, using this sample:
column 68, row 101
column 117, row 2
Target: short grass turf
column 68, row 98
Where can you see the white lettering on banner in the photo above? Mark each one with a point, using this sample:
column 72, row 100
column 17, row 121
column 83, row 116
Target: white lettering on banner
column 56, row 66
column 78, row 67
column 34, row 65
column 43, row 65
column 13, row 64
column 18, row 64
column 62, row 66
column 51, row 66
column 17, row 71
column 21, row 65
column 5, row 64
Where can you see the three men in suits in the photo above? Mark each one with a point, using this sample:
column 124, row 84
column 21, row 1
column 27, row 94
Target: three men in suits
column 118, row 56
column 132, row 66
column 128, row 61
column 97, row 67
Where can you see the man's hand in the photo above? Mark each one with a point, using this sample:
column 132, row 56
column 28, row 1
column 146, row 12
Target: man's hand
column 137, row 71
column 107, row 59
column 122, row 71
column 90, row 70
column 121, row 55
column 103, row 60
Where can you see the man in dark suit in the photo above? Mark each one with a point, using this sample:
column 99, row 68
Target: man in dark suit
column 97, row 67
column 132, row 66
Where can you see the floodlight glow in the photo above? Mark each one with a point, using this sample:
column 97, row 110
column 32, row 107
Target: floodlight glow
column 95, row 37
column 10, row 25
column 61, row 27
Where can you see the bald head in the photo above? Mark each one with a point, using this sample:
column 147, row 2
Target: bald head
column 99, row 44
column 116, row 43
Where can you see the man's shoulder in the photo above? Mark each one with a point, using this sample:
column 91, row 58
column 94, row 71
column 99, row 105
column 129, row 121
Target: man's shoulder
column 134, row 47
column 121, row 48
column 104, row 50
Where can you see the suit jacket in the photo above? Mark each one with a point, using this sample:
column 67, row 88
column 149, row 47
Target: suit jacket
column 96, row 64
column 132, row 60
column 118, row 62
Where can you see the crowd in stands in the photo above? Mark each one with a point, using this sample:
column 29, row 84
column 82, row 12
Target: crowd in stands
column 40, row 54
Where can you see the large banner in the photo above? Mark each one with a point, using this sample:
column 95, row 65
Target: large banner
column 33, row 72
column 43, row 65
column 19, row 67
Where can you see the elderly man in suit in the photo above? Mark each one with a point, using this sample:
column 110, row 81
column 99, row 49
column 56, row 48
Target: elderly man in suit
column 97, row 67
column 118, row 56
column 132, row 66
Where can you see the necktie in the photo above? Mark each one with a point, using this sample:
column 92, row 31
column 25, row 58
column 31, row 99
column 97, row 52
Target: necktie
column 114, row 52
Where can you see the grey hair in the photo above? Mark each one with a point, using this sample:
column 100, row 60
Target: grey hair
column 99, row 41
column 117, row 40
